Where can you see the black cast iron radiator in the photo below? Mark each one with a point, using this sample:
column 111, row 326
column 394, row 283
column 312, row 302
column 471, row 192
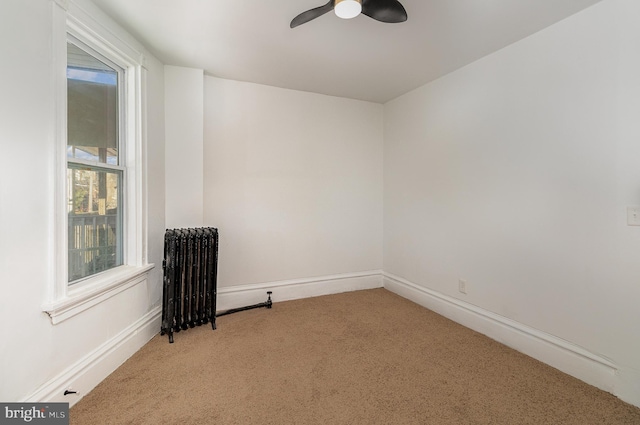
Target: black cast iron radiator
column 190, row 280
column 190, row 271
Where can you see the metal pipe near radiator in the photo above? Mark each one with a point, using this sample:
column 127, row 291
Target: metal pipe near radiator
column 266, row 304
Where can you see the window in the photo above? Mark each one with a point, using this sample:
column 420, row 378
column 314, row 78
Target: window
column 94, row 175
column 99, row 239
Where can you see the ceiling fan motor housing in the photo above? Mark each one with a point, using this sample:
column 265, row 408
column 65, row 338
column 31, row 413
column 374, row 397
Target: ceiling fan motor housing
column 347, row 9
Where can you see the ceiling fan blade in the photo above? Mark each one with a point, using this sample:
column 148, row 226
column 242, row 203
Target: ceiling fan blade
column 390, row 11
column 314, row 13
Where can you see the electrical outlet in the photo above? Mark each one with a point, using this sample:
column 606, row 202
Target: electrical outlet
column 462, row 286
column 633, row 216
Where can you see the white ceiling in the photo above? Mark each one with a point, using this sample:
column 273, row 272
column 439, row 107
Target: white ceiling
column 250, row 40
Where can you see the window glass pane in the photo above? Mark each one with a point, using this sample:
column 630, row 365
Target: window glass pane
column 95, row 221
column 92, row 108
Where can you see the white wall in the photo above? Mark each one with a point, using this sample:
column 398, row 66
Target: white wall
column 514, row 173
column 36, row 357
column 156, row 195
column 293, row 181
column 184, row 144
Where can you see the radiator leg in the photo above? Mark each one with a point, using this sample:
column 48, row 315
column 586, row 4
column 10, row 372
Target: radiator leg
column 170, row 337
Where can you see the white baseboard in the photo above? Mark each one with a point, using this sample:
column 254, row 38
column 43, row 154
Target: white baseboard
column 591, row 368
column 556, row 352
column 243, row 295
column 89, row 371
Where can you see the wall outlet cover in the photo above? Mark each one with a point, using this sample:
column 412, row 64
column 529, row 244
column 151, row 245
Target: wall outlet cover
column 462, row 286
column 633, row 216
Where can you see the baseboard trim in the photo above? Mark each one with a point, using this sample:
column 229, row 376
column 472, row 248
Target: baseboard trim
column 556, row 352
column 569, row 358
column 89, row 371
column 285, row 290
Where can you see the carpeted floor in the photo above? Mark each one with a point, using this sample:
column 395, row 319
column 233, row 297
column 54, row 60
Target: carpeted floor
column 366, row 357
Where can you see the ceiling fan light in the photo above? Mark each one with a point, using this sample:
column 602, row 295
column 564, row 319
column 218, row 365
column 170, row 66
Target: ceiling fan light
column 347, row 9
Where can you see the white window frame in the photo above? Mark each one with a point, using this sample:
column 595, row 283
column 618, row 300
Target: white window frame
column 65, row 300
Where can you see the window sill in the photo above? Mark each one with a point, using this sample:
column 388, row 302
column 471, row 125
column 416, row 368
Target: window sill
column 83, row 296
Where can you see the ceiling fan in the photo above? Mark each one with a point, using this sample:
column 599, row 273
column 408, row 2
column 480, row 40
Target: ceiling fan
column 390, row 11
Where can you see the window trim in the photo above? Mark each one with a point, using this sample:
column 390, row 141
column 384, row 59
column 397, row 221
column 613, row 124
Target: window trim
column 65, row 300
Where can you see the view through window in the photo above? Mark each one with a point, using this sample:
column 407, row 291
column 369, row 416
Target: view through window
column 94, row 172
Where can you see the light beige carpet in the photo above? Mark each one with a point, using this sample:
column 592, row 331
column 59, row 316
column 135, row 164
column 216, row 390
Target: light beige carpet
column 367, row 357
